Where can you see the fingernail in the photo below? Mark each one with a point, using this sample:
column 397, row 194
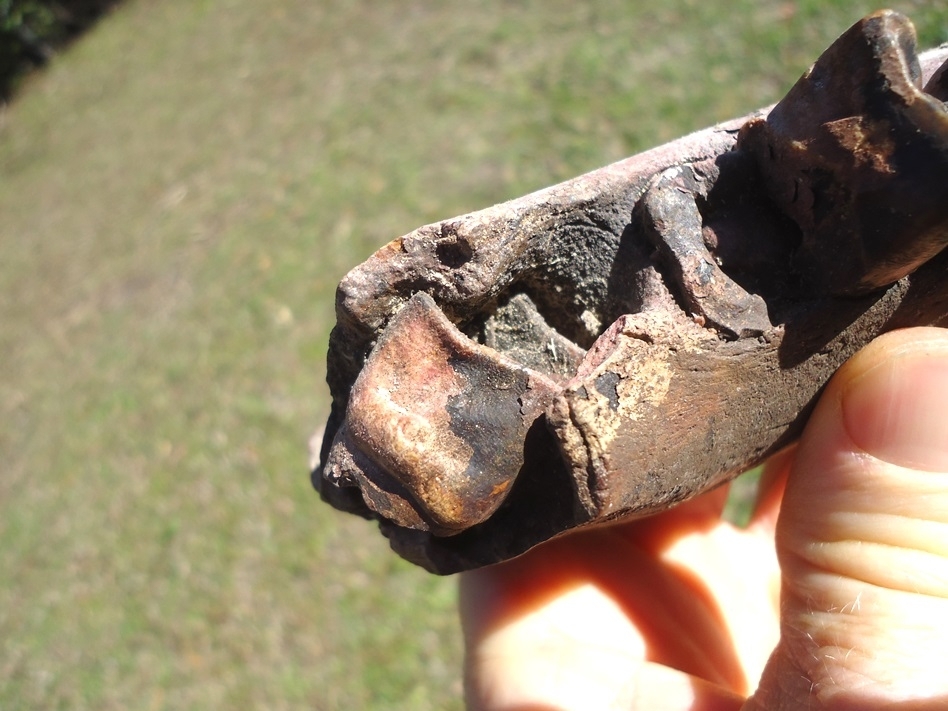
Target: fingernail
column 897, row 410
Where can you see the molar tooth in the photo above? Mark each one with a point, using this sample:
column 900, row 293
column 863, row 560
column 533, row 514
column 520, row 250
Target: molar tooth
column 439, row 421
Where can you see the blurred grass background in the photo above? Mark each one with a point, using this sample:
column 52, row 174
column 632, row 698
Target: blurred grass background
column 179, row 194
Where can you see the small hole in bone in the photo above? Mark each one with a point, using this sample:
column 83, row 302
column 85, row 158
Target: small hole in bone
column 454, row 252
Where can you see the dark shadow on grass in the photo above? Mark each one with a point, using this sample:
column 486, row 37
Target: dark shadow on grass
column 33, row 32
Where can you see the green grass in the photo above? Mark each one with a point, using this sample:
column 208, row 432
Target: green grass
column 179, row 195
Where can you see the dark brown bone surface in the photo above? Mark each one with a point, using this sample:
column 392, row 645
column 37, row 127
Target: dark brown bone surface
column 616, row 344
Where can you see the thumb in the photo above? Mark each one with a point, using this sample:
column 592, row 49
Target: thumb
column 863, row 539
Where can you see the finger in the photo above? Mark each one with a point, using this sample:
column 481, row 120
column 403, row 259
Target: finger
column 770, row 490
column 582, row 613
column 541, row 635
column 696, row 516
column 863, row 538
column 556, row 658
column 512, row 589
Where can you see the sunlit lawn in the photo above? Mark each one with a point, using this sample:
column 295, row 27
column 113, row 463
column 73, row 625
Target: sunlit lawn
column 179, row 195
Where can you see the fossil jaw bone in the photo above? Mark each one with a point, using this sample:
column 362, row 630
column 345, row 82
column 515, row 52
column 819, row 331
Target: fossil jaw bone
column 483, row 403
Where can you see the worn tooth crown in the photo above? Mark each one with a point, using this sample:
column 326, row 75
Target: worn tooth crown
column 443, row 417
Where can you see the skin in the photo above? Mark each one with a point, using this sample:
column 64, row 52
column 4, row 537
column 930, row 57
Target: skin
column 834, row 597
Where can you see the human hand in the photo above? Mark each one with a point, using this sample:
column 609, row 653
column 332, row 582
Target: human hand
column 849, row 610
